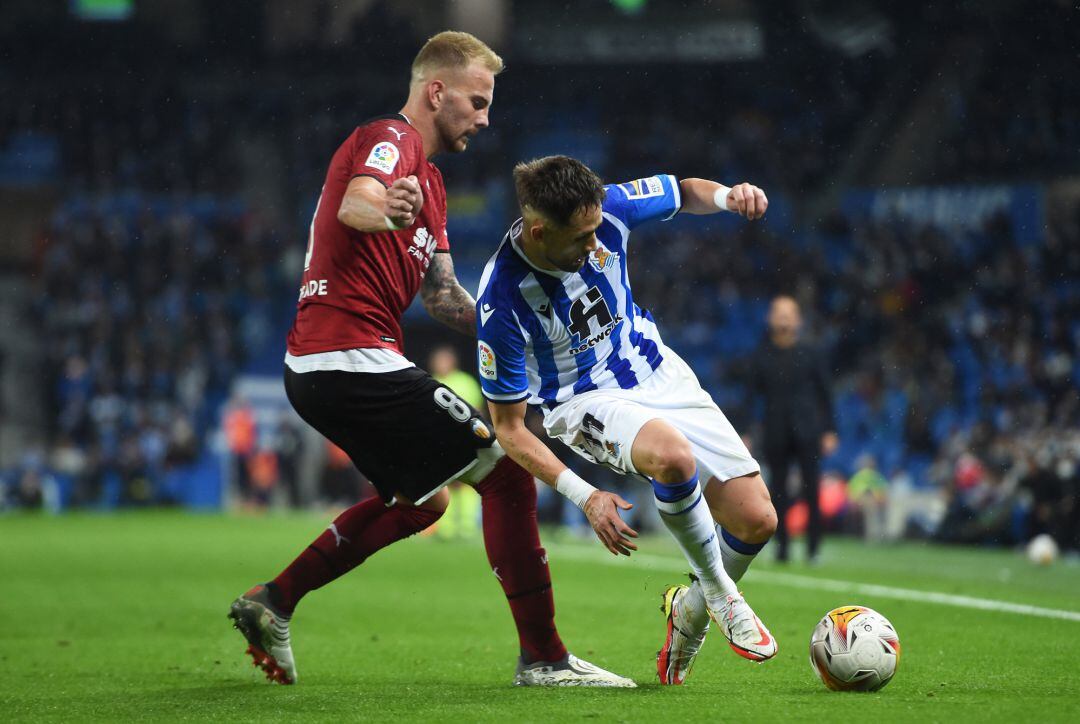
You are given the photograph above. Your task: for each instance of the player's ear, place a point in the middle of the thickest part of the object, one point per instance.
(536, 230)
(436, 92)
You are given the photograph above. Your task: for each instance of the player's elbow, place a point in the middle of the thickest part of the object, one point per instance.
(356, 214)
(504, 429)
(344, 215)
(507, 430)
(429, 296)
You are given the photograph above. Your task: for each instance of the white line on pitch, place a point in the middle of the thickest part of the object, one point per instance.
(644, 560)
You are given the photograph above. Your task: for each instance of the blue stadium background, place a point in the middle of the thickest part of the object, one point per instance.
(157, 178)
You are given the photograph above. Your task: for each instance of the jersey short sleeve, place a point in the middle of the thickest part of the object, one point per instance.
(500, 344)
(644, 199)
(386, 151)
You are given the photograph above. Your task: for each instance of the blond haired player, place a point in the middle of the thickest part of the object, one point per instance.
(378, 238)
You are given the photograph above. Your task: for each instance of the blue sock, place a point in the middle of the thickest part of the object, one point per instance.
(672, 493)
(737, 554)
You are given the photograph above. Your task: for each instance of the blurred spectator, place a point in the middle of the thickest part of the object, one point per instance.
(868, 492)
(462, 516)
(912, 510)
(289, 446)
(240, 438)
(793, 381)
(444, 366)
(29, 493)
(341, 485)
(263, 475)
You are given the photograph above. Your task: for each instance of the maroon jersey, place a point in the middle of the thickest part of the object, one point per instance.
(357, 284)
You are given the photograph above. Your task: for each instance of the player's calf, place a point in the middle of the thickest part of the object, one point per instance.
(519, 562)
(356, 534)
(745, 517)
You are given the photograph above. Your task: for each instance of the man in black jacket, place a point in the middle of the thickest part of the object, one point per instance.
(792, 378)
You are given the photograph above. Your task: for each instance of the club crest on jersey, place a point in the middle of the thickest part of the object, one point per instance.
(480, 429)
(643, 188)
(384, 157)
(488, 367)
(601, 259)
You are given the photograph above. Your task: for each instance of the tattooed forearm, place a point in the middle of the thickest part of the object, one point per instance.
(445, 299)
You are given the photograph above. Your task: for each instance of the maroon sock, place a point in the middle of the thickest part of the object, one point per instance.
(346, 543)
(508, 497)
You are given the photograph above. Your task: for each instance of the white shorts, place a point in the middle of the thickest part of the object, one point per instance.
(601, 425)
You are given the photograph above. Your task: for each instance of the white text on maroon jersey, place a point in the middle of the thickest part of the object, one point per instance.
(423, 244)
(315, 287)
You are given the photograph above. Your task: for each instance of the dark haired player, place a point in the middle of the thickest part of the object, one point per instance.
(559, 329)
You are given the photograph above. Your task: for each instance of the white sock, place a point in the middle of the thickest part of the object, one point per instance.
(736, 562)
(693, 528)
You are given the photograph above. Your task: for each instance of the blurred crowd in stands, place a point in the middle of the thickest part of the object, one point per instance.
(955, 355)
(1039, 133)
(148, 312)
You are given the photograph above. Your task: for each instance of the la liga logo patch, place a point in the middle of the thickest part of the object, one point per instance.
(488, 367)
(384, 157)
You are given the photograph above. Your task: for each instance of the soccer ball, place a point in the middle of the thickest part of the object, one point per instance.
(1042, 550)
(854, 648)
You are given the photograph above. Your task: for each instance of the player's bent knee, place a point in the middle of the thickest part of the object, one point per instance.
(759, 524)
(760, 514)
(663, 453)
(507, 479)
(765, 525)
(486, 461)
(675, 464)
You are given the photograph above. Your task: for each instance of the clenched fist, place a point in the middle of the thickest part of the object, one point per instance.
(747, 200)
(404, 199)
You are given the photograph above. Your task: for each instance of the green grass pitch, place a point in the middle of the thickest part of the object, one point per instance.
(123, 617)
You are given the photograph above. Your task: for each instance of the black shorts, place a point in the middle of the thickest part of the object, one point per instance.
(404, 431)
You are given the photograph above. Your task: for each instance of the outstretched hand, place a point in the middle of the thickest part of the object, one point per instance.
(747, 200)
(404, 199)
(602, 510)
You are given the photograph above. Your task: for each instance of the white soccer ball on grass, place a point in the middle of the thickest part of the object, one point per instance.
(854, 648)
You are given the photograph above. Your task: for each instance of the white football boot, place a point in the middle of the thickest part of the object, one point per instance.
(267, 634)
(571, 671)
(745, 633)
(685, 634)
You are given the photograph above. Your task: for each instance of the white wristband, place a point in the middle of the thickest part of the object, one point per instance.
(720, 197)
(391, 225)
(574, 487)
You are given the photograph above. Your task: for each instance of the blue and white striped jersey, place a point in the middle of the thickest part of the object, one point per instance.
(546, 336)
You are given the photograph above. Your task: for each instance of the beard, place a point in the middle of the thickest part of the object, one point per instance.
(452, 141)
